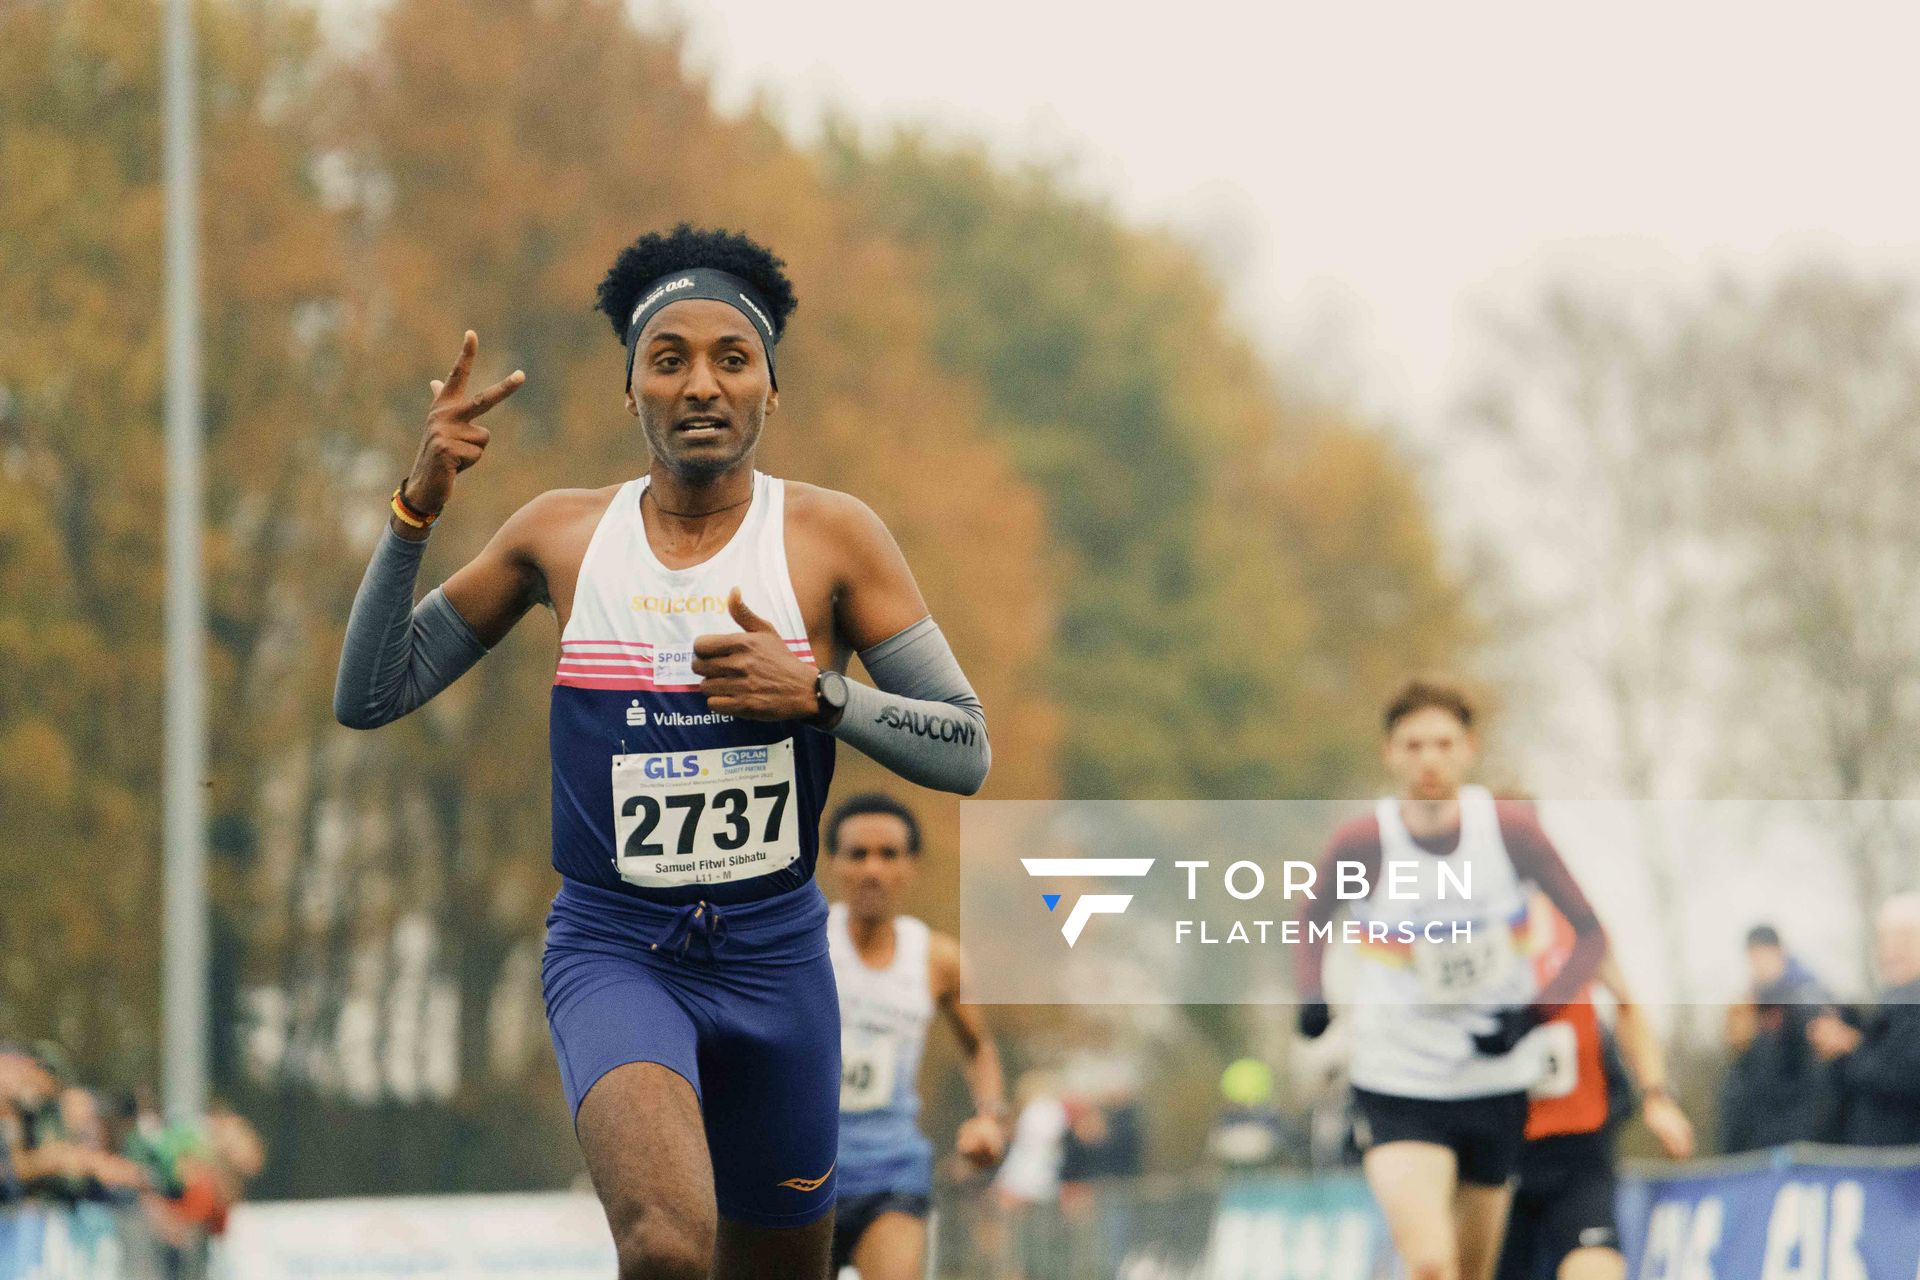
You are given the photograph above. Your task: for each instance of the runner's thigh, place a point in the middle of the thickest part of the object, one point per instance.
(646, 1150)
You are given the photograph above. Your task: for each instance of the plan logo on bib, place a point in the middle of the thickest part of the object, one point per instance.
(1087, 905)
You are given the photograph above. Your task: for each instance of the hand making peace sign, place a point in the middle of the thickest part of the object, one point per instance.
(454, 440)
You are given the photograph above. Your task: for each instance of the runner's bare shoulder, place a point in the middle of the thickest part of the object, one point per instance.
(551, 532)
(559, 517)
(827, 515)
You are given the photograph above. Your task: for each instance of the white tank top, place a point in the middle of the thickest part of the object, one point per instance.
(1418, 1002)
(653, 793)
(884, 1015)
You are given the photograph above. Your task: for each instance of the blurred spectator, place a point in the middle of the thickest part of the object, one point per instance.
(1776, 1089)
(57, 1145)
(1779, 978)
(1249, 1132)
(106, 1173)
(1016, 1235)
(80, 1117)
(42, 1161)
(1878, 1062)
(16, 1080)
(1103, 1139)
(1031, 1172)
(207, 1171)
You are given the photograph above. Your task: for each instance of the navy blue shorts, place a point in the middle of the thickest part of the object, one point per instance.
(857, 1214)
(739, 1000)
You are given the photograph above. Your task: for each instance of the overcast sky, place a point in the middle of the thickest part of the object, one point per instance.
(1387, 164)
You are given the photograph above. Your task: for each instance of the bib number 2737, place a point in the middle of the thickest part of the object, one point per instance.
(704, 817)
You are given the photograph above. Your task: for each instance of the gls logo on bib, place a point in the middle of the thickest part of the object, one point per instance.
(687, 766)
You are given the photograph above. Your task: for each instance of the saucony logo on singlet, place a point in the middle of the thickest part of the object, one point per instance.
(678, 604)
(809, 1184)
(936, 727)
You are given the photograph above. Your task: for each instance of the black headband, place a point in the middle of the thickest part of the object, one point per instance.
(713, 285)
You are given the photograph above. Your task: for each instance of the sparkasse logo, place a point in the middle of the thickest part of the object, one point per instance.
(1091, 904)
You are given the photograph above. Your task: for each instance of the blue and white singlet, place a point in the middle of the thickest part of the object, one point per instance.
(654, 795)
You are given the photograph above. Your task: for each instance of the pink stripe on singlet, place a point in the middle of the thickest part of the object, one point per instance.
(628, 664)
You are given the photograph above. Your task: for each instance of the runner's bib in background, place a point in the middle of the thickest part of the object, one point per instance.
(1559, 1050)
(704, 817)
(1467, 969)
(866, 1071)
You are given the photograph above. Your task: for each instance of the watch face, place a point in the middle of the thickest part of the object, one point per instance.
(833, 689)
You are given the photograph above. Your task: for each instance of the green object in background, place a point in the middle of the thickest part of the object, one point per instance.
(159, 1153)
(1247, 1082)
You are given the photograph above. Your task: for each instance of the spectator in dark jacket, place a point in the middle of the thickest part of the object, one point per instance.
(1776, 1090)
(1877, 1064)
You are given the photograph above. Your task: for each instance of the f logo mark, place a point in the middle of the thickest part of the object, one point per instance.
(1091, 904)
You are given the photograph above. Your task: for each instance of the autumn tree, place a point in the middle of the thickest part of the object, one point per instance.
(1248, 576)
(81, 469)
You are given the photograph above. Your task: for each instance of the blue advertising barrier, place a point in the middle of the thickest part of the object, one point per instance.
(1794, 1213)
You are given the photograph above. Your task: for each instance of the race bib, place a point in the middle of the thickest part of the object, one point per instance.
(866, 1073)
(704, 817)
(1559, 1051)
(1465, 970)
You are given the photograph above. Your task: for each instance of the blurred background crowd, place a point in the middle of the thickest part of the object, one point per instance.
(1806, 1068)
(63, 1142)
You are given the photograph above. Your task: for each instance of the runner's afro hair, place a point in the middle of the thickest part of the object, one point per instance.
(654, 255)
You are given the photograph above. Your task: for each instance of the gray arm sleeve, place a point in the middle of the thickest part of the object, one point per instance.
(923, 721)
(397, 655)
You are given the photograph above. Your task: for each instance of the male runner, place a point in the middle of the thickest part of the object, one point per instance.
(706, 612)
(893, 971)
(1440, 1088)
(1563, 1224)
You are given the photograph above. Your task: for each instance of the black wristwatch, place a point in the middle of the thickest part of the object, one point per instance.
(830, 689)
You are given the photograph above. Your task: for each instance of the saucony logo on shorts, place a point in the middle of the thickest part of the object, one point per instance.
(1592, 1236)
(809, 1184)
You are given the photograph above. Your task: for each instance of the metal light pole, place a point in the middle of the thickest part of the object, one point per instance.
(184, 990)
